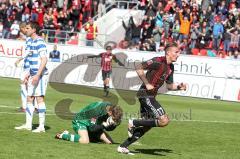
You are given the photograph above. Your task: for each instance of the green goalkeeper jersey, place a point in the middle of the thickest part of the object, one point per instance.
(96, 113)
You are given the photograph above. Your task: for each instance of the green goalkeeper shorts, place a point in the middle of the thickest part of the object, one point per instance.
(80, 125)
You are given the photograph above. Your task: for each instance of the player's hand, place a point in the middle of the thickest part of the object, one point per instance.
(108, 122)
(182, 86)
(149, 87)
(17, 62)
(35, 80)
(25, 80)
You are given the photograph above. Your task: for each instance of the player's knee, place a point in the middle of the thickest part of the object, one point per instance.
(163, 121)
(40, 99)
(84, 141)
(30, 99)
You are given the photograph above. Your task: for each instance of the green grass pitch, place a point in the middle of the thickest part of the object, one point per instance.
(200, 129)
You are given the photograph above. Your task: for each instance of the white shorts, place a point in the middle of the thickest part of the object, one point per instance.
(37, 90)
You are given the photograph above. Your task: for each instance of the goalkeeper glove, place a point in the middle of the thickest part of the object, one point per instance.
(108, 122)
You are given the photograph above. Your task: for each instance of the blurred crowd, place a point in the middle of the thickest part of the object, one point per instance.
(67, 15)
(201, 27)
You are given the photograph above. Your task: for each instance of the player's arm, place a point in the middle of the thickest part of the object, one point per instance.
(42, 66)
(174, 86)
(109, 125)
(18, 61)
(43, 57)
(118, 61)
(140, 67)
(93, 56)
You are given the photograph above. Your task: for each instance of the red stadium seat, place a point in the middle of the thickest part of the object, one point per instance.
(195, 51)
(203, 52)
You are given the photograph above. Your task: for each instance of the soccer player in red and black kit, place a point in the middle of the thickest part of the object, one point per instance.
(159, 70)
(106, 64)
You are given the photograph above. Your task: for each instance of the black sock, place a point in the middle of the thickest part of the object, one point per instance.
(138, 132)
(146, 123)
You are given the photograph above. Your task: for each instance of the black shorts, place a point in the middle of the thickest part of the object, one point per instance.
(150, 108)
(106, 74)
(95, 136)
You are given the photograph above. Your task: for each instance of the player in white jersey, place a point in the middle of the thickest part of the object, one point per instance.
(25, 69)
(36, 77)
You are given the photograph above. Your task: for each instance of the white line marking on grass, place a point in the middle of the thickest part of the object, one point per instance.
(13, 107)
(9, 113)
(203, 121)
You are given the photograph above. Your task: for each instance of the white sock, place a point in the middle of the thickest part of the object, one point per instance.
(29, 114)
(24, 96)
(41, 113)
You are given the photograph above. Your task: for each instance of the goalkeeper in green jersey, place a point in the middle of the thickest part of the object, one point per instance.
(92, 122)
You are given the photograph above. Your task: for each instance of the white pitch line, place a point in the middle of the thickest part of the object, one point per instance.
(205, 121)
(202, 121)
(9, 113)
(13, 107)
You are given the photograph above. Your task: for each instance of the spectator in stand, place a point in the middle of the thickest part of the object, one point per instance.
(226, 39)
(86, 9)
(185, 24)
(159, 19)
(222, 8)
(1, 29)
(62, 19)
(3, 12)
(184, 46)
(157, 34)
(233, 9)
(54, 55)
(34, 15)
(150, 12)
(146, 31)
(101, 8)
(175, 30)
(69, 28)
(14, 30)
(49, 24)
(6, 28)
(74, 16)
(94, 8)
(235, 39)
(194, 35)
(205, 4)
(234, 54)
(128, 28)
(136, 32)
(230, 21)
(26, 12)
(166, 25)
(40, 13)
(91, 30)
(203, 39)
(218, 30)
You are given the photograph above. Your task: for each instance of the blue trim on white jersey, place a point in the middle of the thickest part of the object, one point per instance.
(38, 50)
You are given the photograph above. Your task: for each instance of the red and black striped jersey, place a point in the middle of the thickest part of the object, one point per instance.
(158, 72)
(106, 61)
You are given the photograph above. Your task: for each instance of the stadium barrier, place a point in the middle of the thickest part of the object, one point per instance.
(211, 78)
